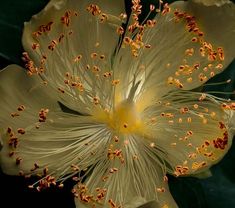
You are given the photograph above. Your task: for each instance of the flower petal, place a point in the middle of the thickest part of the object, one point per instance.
(191, 131)
(1, 143)
(22, 95)
(212, 2)
(121, 179)
(61, 147)
(195, 62)
(189, 44)
(35, 138)
(232, 123)
(22, 98)
(72, 44)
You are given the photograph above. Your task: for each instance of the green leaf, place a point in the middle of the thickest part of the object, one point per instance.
(12, 16)
(187, 192)
(220, 188)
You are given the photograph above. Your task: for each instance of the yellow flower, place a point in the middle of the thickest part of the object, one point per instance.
(109, 101)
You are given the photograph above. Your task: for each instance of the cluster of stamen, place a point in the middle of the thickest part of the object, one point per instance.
(73, 81)
(83, 194)
(214, 55)
(136, 30)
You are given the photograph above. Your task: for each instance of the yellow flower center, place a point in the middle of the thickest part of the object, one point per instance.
(123, 119)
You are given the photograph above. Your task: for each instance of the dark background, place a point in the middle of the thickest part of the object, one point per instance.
(217, 191)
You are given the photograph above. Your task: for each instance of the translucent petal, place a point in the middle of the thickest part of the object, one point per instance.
(212, 2)
(1, 143)
(232, 123)
(190, 130)
(122, 179)
(36, 133)
(22, 97)
(55, 147)
(73, 44)
(188, 45)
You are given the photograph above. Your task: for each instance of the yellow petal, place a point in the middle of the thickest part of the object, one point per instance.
(130, 177)
(71, 45)
(191, 131)
(189, 45)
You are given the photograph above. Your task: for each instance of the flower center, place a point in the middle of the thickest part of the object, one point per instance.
(124, 118)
